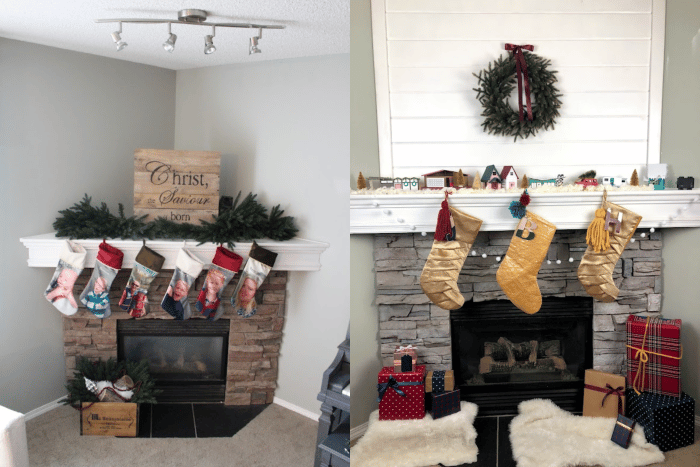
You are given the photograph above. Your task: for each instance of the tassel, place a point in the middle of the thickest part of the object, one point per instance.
(444, 227)
(597, 235)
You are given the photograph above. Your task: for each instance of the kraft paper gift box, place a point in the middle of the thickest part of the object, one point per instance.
(668, 421)
(440, 381)
(402, 350)
(444, 403)
(622, 433)
(603, 394)
(657, 340)
(401, 395)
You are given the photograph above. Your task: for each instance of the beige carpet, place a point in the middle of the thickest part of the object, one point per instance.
(277, 437)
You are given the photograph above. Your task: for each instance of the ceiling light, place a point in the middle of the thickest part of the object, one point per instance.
(209, 42)
(253, 48)
(117, 38)
(190, 17)
(169, 45)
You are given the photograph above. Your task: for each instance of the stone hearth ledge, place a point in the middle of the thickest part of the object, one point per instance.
(296, 254)
(376, 211)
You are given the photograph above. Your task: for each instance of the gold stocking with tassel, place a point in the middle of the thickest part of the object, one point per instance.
(605, 245)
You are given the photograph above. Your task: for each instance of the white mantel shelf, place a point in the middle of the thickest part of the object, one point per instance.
(407, 213)
(296, 254)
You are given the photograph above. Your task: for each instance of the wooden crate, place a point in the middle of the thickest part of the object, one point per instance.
(109, 419)
(182, 186)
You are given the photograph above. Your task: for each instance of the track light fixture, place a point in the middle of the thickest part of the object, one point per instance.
(253, 48)
(117, 38)
(209, 42)
(169, 44)
(190, 17)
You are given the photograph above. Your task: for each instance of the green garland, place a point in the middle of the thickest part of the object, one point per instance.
(248, 220)
(498, 81)
(109, 370)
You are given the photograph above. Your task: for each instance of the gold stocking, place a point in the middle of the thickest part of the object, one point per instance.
(517, 274)
(596, 268)
(439, 277)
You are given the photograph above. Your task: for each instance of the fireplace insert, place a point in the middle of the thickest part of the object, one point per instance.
(502, 356)
(187, 359)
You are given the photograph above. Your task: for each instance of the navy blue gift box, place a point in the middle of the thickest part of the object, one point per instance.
(668, 421)
(445, 403)
(622, 434)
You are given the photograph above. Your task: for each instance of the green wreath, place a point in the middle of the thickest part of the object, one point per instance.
(495, 86)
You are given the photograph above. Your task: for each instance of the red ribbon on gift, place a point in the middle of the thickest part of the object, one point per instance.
(609, 390)
(521, 71)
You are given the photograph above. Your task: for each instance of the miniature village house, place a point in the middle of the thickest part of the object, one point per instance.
(439, 179)
(509, 179)
(406, 183)
(491, 178)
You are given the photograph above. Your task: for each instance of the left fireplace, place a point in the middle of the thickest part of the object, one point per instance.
(187, 359)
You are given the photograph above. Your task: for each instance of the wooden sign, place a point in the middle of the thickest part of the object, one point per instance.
(109, 419)
(182, 186)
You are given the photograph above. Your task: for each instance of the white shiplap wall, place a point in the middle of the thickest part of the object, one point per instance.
(609, 58)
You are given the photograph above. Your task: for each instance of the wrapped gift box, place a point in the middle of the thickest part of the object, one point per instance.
(622, 433)
(659, 339)
(440, 381)
(669, 422)
(444, 403)
(603, 394)
(401, 395)
(402, 350)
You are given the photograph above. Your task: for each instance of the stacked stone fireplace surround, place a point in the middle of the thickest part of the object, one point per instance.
(406, 315)
(254, 342)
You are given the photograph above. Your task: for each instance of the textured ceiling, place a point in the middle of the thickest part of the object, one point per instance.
(313, 27)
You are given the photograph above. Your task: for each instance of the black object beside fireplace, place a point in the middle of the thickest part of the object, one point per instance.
(502, 356)
(187, 359)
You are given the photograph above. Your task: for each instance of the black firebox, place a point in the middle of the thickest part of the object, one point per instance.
(502, 356)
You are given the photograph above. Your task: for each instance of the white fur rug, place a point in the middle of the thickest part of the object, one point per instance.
(449, 440)
(543, 435)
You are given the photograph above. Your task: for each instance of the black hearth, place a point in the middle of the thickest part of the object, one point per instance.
(187, 359)
(503, 356)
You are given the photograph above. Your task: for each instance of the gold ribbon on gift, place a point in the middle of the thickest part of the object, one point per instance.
(643, 357)
(628, 428)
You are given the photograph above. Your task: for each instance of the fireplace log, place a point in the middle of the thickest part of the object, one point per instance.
(505, 350)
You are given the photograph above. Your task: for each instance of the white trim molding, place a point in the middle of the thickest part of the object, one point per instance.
(412, 213)
(293, 255)
(357, 432)
(295, 408)
(44, 408)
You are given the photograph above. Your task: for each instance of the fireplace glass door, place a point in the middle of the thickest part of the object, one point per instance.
(187, 359)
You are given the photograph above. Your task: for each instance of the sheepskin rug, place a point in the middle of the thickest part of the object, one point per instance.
(450, 440)
(543, 435)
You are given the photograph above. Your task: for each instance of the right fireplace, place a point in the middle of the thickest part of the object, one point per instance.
(502, 356)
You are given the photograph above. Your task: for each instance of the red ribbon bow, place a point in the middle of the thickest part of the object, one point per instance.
(521, 70)
(618, 391)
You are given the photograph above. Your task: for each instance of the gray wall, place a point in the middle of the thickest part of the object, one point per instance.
(283, 130)
(364, 157)
(69, 124)
(680, 144)
(680, 148)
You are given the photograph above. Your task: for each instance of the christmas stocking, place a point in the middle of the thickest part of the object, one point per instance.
(605, 245)
(95, 296)
(135, 296)
(517, 274)
(60, 290)
(454, 236)
(187, 268)
(224, 266)
(258, 266)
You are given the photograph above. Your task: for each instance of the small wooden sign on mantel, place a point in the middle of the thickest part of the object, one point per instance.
(182, 186)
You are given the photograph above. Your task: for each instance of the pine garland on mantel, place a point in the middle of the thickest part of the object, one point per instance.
(248, 220)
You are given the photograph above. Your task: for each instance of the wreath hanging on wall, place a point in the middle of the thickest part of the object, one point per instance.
(498, 80)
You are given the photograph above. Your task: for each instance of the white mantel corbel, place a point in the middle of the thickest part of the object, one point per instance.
(296, 254)
(409, 213)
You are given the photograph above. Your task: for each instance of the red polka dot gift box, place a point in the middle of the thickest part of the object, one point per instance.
(401, 395)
